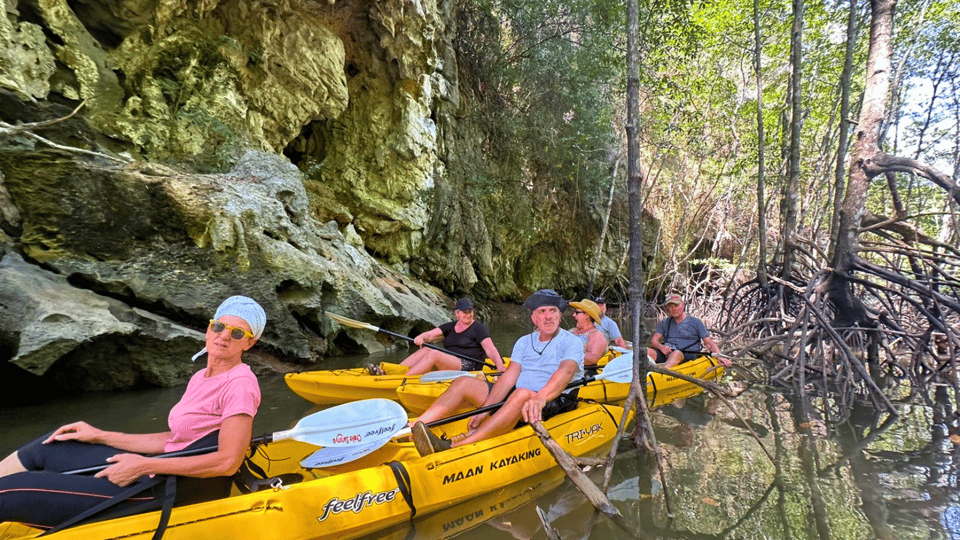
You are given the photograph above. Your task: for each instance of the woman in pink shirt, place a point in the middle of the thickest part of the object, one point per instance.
(216, 410)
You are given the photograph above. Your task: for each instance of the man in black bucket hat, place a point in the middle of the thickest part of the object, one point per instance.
(541, 366)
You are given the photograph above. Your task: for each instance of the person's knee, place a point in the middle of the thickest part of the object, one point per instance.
(11, 465)
(521, 396)
(463, 383)
(674, 359)
(468, 388)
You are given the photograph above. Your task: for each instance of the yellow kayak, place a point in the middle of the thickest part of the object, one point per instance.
(459, 518)
(336, 386)
(416, 397)
(376, 492)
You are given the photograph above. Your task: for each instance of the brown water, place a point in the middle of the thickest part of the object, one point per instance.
(869, 476)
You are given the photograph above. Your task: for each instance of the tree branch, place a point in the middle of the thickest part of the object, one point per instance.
(884, 163)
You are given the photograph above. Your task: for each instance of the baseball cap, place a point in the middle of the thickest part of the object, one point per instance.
(673, 299)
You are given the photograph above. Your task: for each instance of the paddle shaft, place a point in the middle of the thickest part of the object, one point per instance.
(701, 351)
(347, 321)
(434, 347)
(495, 406)
(256, 441)
(327, 457)
(444, 376)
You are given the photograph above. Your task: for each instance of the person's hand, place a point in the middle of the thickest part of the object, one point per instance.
(665, 350)
(77, 431)
(418, 341)
(125, 470)
(532, 410)
(723, 360)
(476, 420)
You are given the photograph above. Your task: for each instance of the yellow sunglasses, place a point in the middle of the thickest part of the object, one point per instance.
(235, 332)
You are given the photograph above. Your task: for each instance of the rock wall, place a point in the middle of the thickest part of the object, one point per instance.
(128, 263)
(374, 218)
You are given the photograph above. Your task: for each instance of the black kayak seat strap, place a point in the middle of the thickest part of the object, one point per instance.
(403, 484)
(170, 493)
(169, 496)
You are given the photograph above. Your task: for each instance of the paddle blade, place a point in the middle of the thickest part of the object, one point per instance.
(445, 375)
(345, 321)
(350, 424)
(331, 456)
(618, 370)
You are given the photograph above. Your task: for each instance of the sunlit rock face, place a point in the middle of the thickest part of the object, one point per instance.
(198, 76)
(200, 83)
(315, 155)
(354, 93)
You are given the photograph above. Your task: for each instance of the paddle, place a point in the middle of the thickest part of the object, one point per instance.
(623, 351)
(344, 426)
(365, 326)
(449, 375)
(653, 361)
(618, 370)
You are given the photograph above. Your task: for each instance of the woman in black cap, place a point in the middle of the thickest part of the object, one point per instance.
(533, 388)
(466, 336)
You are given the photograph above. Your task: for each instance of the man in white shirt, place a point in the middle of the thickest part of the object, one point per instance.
(541, 366)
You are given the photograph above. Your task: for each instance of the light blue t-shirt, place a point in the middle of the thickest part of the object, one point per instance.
(609, 328)
(539, 360)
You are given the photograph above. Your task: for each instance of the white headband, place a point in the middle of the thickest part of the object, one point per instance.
(244, 308)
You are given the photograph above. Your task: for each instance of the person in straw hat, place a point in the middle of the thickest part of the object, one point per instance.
(587, 314)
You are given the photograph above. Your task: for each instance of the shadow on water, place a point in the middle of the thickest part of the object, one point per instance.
(854, 473)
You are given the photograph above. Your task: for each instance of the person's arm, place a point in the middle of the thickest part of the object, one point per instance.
(492, 352)
(532, 410)
(595, 348)
(429, 335)
(713, 348)
(235, 432)
(655, 343)
(619, 342)
(141, 443)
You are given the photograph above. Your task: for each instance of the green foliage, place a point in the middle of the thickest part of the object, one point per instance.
(931, 80)
(545, 77)
(549, 79)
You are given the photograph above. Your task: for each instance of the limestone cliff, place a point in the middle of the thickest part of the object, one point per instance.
(374, 219)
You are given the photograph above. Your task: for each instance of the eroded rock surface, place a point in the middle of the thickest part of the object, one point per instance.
(171, 246)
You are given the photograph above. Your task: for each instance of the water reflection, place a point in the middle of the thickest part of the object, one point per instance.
(872, 476)
(841, 469)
